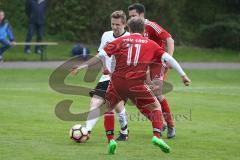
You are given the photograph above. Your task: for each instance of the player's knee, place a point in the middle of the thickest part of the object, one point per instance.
(161, 98)
(120, 107)
(96, 102)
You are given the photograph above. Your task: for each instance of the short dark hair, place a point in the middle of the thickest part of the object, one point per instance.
(136, 25)
(138, 7)
(119, 14)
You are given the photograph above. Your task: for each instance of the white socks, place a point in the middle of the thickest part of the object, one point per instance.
(122, 118)
(92, 118)
(94, 114)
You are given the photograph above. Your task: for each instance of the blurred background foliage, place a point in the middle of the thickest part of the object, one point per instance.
(204, 23)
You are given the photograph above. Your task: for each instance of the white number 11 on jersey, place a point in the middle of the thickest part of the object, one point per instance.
(129, 57)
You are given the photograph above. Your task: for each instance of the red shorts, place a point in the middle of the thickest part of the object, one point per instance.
(157, 70)
(123, 89)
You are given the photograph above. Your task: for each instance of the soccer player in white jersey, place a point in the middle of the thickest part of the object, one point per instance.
(118, 24)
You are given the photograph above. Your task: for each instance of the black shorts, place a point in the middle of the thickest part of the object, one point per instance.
(100, 89)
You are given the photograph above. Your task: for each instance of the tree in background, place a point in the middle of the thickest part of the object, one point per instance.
(202, 23)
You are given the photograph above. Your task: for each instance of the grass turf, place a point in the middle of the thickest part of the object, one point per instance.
(206, 115)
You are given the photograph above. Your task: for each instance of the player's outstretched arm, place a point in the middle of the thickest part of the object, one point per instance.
(174, 64)
(76, 68)
(93, 61)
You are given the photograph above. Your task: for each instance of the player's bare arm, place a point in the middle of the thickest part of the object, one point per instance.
(93, 61)
(170, 45)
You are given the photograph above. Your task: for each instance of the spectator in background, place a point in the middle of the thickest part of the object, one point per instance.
(35, 10)
(81, 51)
(6, 34)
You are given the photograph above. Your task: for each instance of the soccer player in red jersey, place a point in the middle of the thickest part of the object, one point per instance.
(134, 54)
(158, 71)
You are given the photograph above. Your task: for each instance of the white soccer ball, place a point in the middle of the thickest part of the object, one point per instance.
(79, 133)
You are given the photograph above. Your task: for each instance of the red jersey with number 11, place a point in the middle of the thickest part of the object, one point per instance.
(133, 54)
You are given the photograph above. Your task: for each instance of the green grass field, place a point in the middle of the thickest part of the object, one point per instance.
(206, 114)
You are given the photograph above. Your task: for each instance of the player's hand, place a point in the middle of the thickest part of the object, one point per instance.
(186, 80)
(74, 70)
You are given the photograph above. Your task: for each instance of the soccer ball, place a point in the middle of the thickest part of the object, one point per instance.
(79, 133)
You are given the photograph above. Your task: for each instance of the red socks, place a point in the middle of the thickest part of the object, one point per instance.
(167, 113)
(157, 123)
(156, 118)
(109, 125)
